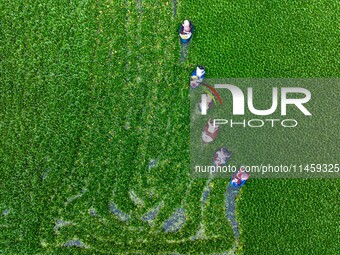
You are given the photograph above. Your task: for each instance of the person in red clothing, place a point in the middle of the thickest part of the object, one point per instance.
(210, 132)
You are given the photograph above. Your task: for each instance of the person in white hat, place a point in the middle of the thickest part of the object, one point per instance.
(185, 31)
(187, 26)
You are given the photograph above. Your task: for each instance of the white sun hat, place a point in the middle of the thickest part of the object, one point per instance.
(200, 72)
(186, 25)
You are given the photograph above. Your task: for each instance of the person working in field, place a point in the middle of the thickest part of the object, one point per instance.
(210, 132)
(197, 77)
(221, 156)
(185, 31)
(239, 178)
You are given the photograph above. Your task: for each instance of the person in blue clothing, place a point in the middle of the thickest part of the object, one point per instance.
(240, 178)
(197, 76)
(185, 31)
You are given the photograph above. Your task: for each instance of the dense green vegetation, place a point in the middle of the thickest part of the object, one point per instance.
(265, 38)
(86, 103)
(290, 216)
(91, 92)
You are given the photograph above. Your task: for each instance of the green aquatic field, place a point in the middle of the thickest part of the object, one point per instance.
(94, 127)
